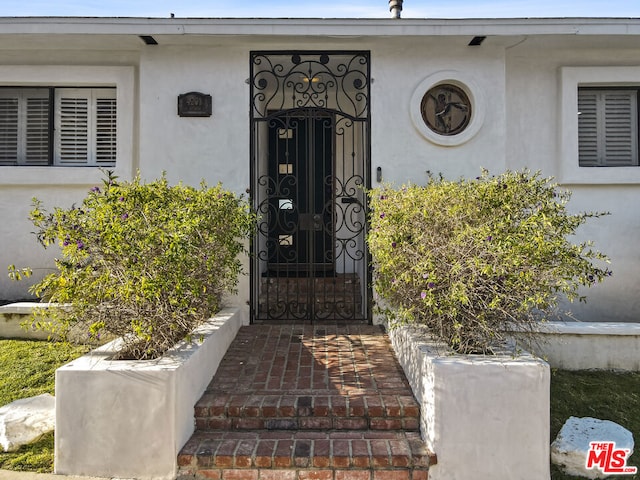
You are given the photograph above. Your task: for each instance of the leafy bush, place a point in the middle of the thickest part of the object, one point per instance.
(468, 258)
(147, 262)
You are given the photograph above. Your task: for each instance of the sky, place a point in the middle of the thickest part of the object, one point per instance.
(321, 8)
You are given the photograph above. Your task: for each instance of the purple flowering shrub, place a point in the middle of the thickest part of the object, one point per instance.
(146, 262)
(471, 258)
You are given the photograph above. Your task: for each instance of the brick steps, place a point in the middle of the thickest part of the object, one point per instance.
(329, 297)
(307, 402)
(298, 455)
(306, 412)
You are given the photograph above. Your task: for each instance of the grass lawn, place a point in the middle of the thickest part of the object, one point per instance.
(27, 369)
(602, 395)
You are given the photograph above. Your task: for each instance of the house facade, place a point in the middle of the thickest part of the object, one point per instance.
(305, 114)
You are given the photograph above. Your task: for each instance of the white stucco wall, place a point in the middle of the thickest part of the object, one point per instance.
(213, 148)
(57, 186)
(537, 135)
(518, 79)
(397, 146)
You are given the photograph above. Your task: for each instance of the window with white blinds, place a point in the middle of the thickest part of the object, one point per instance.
(76, 128)
(85, 131)
(24, 126)
(607, 127)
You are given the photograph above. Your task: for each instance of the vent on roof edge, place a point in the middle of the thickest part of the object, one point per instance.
(476, 41)
(148, 39)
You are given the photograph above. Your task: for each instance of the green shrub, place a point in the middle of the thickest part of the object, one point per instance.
(468, 258)
(147, 262)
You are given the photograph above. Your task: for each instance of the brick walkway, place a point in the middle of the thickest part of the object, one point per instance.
(297, 402)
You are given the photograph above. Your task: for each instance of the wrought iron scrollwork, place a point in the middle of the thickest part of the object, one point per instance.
(310, 80)
(310, 167)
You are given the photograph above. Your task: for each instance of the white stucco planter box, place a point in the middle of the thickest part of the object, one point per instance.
(12, 317)
(589, 345)
(129, 419)
(484, 416)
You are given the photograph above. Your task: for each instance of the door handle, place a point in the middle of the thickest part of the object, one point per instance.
(310, 221)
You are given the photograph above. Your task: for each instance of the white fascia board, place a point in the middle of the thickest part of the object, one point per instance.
(320, 27)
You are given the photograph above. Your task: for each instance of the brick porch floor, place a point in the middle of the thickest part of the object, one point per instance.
(298, 402)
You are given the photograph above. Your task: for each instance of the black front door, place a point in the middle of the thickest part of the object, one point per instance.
(301, 193)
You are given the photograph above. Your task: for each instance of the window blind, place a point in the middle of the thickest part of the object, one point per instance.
(607, 128)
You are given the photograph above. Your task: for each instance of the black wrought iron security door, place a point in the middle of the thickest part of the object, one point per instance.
(309, 168)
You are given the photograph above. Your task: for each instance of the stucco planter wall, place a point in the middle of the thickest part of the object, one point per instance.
(483, 416)
(129, 419)
(13, 315)
(589, 345)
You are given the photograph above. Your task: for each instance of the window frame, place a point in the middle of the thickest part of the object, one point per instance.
(22, 96)
(469, 86)
(88, 158)
(55, 137)
(121, 78)
(602, 134)
(571, 79)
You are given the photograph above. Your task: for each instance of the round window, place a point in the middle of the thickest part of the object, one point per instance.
(446, 109)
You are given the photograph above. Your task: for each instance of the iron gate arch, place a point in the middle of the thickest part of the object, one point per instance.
(310, 168)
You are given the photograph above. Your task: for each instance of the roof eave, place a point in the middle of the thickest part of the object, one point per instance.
(319, 27)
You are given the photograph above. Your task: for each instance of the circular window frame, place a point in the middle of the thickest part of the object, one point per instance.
(464, 83)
